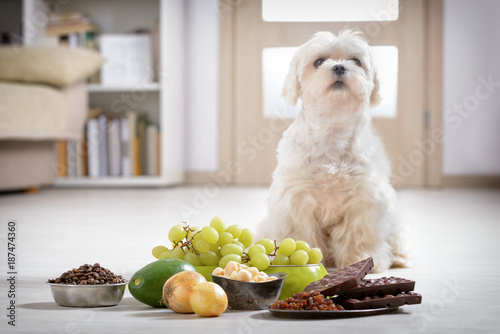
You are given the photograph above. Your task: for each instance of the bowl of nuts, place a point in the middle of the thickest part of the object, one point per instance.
(247, 288)
(88, 286)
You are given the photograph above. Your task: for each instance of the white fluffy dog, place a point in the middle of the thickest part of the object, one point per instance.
(331, 186)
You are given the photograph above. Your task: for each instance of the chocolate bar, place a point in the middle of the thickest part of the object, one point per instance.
(380, 287)
(380, 302)
(343, 279)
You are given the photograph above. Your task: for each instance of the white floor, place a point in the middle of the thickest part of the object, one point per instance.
(455, 235)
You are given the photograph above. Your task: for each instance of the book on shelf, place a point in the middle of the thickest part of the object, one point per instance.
(133, 142)
(158, 154)
(84, 171)
(102, 121)
(93, 147)
(62, 152)
(112, 147)
(71, 158)
(141, 136)
(152, 149)
(125, 147)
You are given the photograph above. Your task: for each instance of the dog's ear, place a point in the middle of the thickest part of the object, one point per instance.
(375, 97)
(291, 87)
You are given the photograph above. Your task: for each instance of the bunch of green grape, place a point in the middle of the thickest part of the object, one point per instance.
(297, 253)
(216, 245)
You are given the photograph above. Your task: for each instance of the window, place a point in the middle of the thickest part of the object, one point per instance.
(329, 10)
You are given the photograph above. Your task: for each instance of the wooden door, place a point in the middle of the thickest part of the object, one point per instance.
(249, 140)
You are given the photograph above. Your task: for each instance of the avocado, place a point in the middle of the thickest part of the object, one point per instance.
(146, 285)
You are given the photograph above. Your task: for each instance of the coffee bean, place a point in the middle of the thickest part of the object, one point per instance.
(88, 274)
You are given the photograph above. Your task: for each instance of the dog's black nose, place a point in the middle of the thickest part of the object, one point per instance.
(339, 69)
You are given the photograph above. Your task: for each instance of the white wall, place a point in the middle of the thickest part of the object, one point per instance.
(471, 105)
(202, 85)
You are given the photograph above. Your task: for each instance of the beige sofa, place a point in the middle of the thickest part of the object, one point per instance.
(42, 101)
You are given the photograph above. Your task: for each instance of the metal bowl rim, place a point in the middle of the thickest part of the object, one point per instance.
(282, 277)
(294, 265)
(86, 285)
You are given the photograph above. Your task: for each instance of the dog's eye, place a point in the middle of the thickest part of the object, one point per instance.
(357, 61)
(318, 62)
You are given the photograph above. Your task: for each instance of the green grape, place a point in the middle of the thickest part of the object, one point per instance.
(158, 250)
(196, 237)
(299, 258)
(225, 238)
(235, 230)
(214, 247)
(246, 237)
(192, 258)
(218, 224)
(202, 246)
(302, 245)
(231, 257)
(260, 260)
(236, 242)
(219, 255)
(192, 231)
(177, 253)
(268, 244)
(287, 247)
(231, 249)
(176, 233)
(281, 260)
(165, 255)
(210, 234)
(255, 249)
(315, 256)
(209, 258)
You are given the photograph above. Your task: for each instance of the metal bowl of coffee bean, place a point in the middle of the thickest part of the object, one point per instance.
(88, 286)
(250, 295)
(88, 295)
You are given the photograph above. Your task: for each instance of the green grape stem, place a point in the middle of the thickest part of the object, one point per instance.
(188, 243)
(245, 258)
(275, 249)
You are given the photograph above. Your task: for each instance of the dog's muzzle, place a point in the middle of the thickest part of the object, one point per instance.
(339, 70)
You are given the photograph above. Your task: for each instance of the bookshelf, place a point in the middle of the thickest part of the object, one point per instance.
(162, 100)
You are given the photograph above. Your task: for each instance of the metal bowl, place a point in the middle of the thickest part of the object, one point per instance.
(87, 295)
(251, 295)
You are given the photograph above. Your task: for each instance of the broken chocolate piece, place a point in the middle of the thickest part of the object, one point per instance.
(343, 279)
(380, 286)
(380, 302)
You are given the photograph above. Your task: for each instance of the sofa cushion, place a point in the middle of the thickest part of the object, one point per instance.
(58, 66)
(41, 112)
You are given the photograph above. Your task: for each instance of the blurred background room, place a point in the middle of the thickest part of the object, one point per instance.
(186, 92)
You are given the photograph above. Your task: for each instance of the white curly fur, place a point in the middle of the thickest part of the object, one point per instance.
(331, 186)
